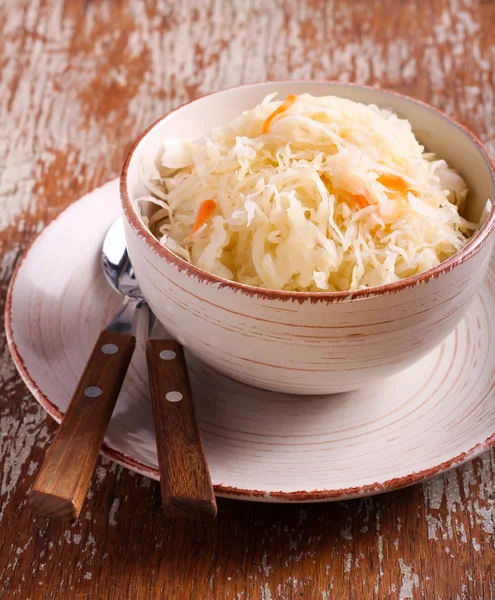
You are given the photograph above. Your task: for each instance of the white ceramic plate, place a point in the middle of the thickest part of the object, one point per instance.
(260, 445)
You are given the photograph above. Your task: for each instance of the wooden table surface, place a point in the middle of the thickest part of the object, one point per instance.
(79, 80)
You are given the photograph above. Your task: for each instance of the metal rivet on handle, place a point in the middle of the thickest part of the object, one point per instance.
(167, 354)
(93, 391)
(109, 349)
(174, 396)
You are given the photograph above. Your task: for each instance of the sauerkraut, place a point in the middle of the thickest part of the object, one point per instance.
(309, 194)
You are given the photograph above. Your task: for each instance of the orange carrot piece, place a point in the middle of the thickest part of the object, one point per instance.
(286, 104)
(393, 183)
(206, 209)
(361, 200)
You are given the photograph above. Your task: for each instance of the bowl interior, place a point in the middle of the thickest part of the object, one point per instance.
(433, 130)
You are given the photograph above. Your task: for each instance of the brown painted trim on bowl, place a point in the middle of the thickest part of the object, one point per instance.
(221, 490)
(472, 247)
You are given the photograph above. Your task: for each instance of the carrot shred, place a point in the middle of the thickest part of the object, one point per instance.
(206, 209)
(393, 183)
(361, 200)
(286, 104)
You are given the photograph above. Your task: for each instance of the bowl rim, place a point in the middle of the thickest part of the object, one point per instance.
(473, 246)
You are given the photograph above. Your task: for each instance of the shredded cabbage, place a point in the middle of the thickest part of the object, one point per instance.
(335, 196)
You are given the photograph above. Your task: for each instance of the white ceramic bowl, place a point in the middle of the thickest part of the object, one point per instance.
(310, 343)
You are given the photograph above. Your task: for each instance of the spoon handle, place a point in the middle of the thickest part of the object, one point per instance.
(63, 480)
(184, 476)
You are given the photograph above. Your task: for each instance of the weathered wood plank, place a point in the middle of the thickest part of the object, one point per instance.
(79, 80)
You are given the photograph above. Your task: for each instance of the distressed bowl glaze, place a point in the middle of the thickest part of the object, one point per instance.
(310, 343)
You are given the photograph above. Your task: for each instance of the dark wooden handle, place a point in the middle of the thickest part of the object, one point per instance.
(62, 483)
(184, 477)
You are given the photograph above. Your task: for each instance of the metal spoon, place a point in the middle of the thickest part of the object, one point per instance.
(62, 483)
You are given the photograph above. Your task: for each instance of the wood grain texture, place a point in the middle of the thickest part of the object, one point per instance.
(184, 476)
(79, 81)
(63, 480)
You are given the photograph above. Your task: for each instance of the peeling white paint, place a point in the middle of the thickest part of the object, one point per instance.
(265, 592)
(347, 563)
(264, 564)
(410, 581)
(16, 448)
(113, 511)
(46, 129)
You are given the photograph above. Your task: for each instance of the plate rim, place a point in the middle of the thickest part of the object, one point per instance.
(123, 459)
